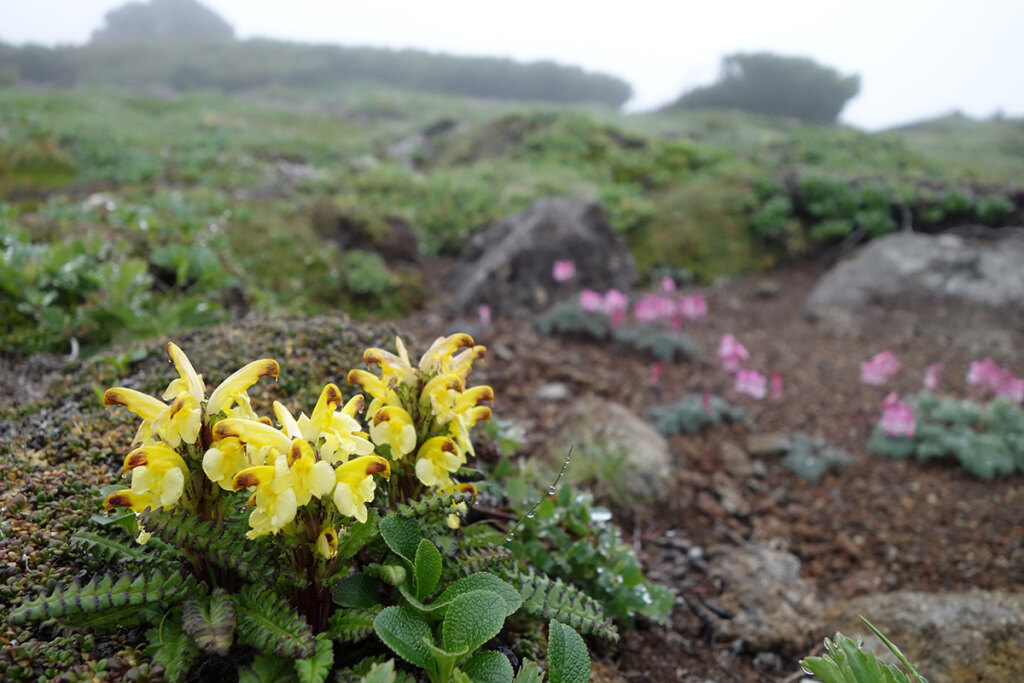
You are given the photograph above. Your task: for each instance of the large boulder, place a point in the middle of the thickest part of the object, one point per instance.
(971, 636)
(510, 264)
(946, 268)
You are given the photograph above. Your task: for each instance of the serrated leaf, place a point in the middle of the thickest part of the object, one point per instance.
(404, 632)
(359, 590)
(316, 668)
(380, 673)
(473, 618)
(483, 581)
(529, 672)
(488, 667)
(210, 623)
(268, 669)
(402, 535)
(171, 649)
(568, 659)
(355, 536)
(427, 568)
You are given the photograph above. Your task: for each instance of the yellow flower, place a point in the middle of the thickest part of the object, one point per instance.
(341, 433)
(462, 361)
(391, 425)
(188, 381)
(355, 485)
(395, 369)
(180, 422)
(274, 499)
(454, 518)
(222, 462)
(436, 460)
(327, 543)
(373, 385)
(230, 396)
(258, 434)
(438, 358)
(309, 476)
(441, 393)
(158, 479)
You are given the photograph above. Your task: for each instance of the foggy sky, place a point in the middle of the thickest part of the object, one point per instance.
(916, 58)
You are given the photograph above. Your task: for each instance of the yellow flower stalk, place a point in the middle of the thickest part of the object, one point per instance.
(230, 396)
(188, 381)
(438, 358)
(393, 426)
(395, 369)
(355, 485)
(340, 431)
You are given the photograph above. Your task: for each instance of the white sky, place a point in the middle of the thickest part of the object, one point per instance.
(916, 58)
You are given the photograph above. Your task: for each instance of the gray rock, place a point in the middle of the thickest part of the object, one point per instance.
(985, 272)
(552, 391)
(773, 608)
(735, 460)
(970, 636)
(509, 264)
(613, 450)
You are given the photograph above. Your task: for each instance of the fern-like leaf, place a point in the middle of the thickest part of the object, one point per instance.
(316, 668)
(118, 551)
(120, 597)
(551, 598)
(352, 625)
(172, 649)
(220, 545)
(440, 502)
(268, 669)
(211, 623)
(267, 622)
(472, 560)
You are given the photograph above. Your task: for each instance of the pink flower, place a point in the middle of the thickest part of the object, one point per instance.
(652, 308)
(776, 386)
(484, 313)
(668, 285)
(692, 307)
(615, 305)
(657, 370)
(563, 271)
(879, 369)
(591, 301)
(752, 383)
(731, 353)
(897, 417)
(933, 375)
(1011, 387)
(985, 374)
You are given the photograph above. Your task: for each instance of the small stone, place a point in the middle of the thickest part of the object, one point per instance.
(735, 460)
(707, 504)
(554, 392)
(772, 443)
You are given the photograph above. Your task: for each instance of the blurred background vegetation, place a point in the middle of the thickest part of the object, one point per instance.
(166, 175)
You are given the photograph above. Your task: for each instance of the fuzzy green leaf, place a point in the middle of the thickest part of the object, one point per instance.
(473, 618)
(427, 568)
(316, 668)
(210, 623)
(358, 590)
(354, 537)
(402, 535)
(406, 633)
(568, 659)
(172, 649)
(483, 581)
(488, 667)
(381, 673)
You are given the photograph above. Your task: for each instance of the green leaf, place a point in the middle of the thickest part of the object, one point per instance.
(473, 618)
(402, 535)
(355, 536)
(529, 672)
(380, 673)
(210, 623)
(483, 581)
(404, 632)
(895, 651)
(171, 649)
(316, 668)
(268, 669)
(488, 667)
(427, 568)
(568, 659)
(359, 590)
(270, 624)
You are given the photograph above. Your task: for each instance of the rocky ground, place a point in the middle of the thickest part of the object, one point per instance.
(764, 564)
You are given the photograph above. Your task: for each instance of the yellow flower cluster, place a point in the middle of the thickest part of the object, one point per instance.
(287, 466)
(425, 408)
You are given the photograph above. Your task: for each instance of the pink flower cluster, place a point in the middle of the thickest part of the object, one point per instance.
(995, 380)
(879, 369)
(932, 375)
(732, 354)
(649, 309)
(897, 417)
